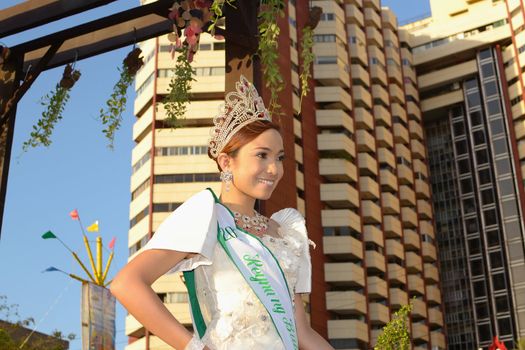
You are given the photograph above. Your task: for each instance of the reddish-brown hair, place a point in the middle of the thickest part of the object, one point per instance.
(245, 135)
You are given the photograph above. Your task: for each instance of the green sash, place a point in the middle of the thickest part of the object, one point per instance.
(260, 270)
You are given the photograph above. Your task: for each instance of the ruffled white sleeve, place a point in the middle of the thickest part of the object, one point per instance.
(292, 218)
(191, 228)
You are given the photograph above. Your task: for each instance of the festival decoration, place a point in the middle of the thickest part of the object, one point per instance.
(192, 17)
(98, 305)
(54, 102)
(111, 116)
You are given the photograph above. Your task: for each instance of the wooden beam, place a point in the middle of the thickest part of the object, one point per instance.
(29, 80)
(33, 13)
(101, 35)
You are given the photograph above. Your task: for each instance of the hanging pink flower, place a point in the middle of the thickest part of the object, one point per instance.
(174, 15)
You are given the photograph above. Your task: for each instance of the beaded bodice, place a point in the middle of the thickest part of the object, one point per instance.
(234, 316)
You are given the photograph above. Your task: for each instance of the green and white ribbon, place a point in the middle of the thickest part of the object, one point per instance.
(261, 271)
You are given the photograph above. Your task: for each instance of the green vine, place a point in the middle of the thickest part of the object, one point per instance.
(216, 10)
(111, 116)
(307, 57)
(55, 102)
(395, 335)
(307, 43)
(269, 49)
(179, 88)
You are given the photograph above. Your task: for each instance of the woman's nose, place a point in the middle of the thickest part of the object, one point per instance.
(272, 168)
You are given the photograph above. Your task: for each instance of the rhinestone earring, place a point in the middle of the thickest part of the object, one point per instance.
(227, 177)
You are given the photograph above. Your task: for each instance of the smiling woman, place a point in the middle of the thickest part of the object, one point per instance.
(245, 273)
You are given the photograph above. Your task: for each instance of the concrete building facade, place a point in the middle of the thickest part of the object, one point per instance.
(468, 58)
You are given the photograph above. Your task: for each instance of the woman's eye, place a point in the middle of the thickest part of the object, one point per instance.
(280, 158)
(261, 155)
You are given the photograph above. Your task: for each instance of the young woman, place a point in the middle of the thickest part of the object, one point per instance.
(245, 272)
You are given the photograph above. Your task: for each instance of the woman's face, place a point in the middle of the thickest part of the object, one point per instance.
(258, 165)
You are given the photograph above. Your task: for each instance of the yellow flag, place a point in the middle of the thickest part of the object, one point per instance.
(93, 227)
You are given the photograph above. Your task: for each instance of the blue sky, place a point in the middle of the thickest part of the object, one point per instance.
(76, 171)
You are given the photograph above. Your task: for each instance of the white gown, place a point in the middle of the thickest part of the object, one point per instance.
(234, 316)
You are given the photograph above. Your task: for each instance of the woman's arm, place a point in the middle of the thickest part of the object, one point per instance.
(132, 287)
(308, 338)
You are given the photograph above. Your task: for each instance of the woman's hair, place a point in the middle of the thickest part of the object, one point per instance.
(245, 135)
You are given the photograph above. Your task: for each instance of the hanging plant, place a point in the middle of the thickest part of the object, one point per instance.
(179, 88)
(111, 117)
(269, 31)
(190, 18)
(216, 9)
(307, 55)
(54, 102)
(4, 54)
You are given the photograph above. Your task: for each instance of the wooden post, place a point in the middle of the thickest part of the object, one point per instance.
(10, 76)
(241, 43)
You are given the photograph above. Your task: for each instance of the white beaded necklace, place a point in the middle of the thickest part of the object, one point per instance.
(257, 224)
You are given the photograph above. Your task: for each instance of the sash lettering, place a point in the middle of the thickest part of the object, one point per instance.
(262, 272)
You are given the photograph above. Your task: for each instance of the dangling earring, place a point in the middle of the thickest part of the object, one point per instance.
(227, 177)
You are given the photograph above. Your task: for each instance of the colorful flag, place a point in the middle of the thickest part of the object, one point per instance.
(111, 244)
(74, 214)
(93, 227)
(48, 234)
(51, 269)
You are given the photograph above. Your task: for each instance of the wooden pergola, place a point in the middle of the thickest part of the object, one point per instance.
(28, 59)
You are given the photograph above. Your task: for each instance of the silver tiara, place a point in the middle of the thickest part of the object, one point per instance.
(241, 107)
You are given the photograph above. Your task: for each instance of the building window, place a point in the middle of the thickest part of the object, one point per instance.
(498, 281)
(479, 289)
(493, 107)
(474, 246)
(487, 196)
(145, 84)
(484, 176)
(324, 38)
(219, 46)
(181, 151)
(482, 310)
(140, 162)
(476, 118)
(142, 187)
(492, 238)
(482, 157)
(165, 207)
(458, 128)
(326, 59)
(463, 166)
(504, 326)
(502, 304)
(210, 71)
(496, 260)
(479, 137)
(516, 100)
(327, 17)
(496, 126)
(490, 217)
(181, 178)
(141, 215)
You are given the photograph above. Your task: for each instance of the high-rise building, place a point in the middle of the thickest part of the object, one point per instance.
(469, 61)
(379, 238)
(356, 167)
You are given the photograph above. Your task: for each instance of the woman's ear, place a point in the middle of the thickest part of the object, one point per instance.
(224, 161)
